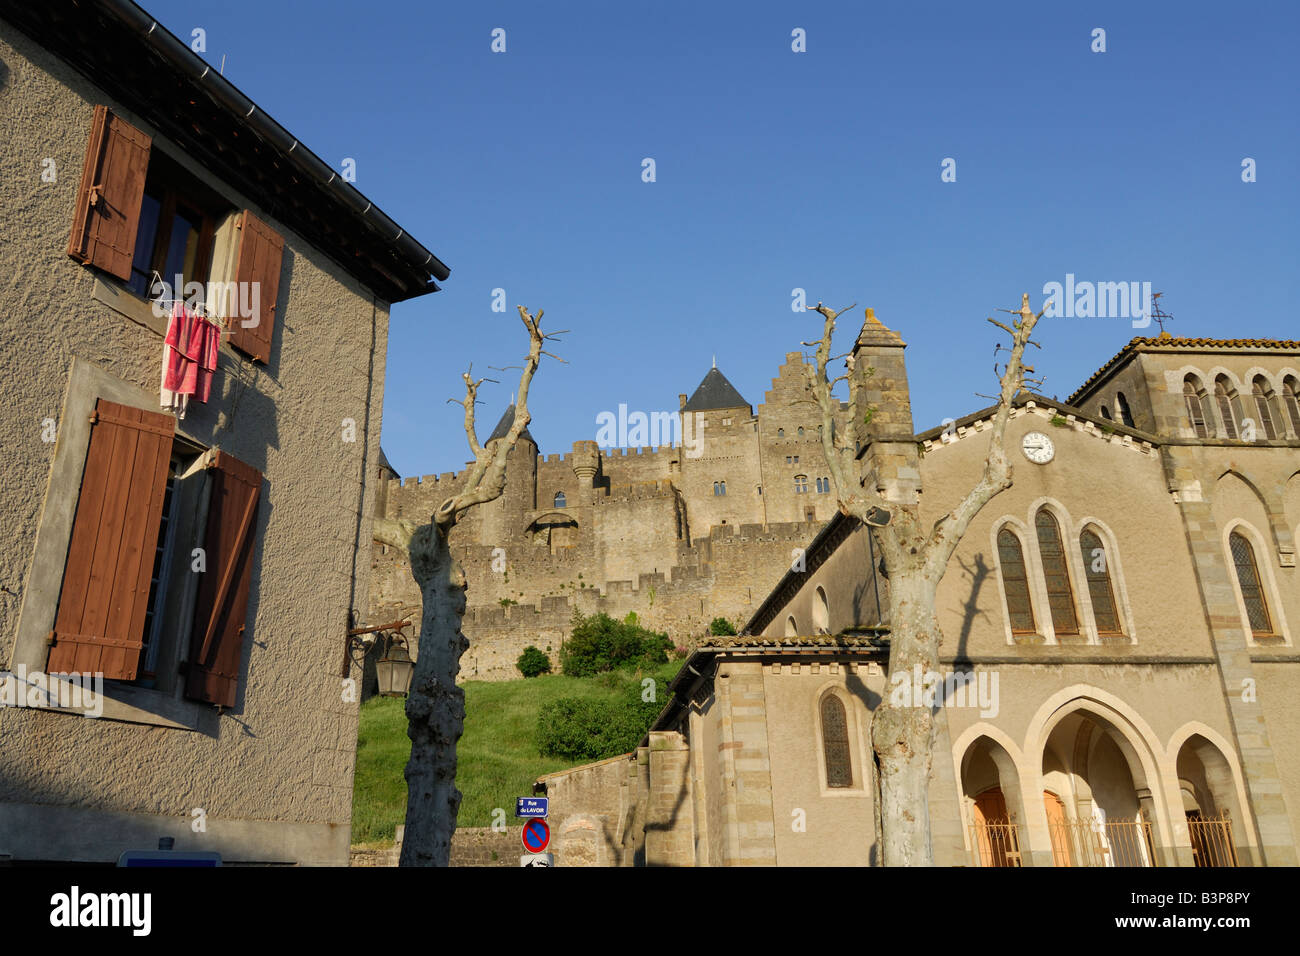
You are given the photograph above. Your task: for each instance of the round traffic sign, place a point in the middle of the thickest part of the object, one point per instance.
(536, 835)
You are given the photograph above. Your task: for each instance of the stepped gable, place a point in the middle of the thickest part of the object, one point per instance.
(503, 426)
(715, 392)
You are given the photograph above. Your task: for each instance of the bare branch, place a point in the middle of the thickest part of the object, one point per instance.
(948, 530)
(394, 532)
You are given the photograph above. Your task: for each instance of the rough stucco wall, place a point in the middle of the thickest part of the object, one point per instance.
(287, 751)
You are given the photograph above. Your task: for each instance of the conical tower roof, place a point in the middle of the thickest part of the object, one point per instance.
(715, 392)
(503, 426)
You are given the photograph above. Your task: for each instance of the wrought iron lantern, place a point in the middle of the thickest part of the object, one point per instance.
(394, 669)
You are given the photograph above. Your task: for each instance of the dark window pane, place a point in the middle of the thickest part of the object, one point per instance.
(1016, 582)
(835, 741)
(1060, 596)
(1252, 592)
(1100, 591)
(145, 236)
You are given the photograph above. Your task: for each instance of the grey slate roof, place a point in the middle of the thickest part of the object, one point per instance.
(503, 426)
(715, 392)
(384, 462)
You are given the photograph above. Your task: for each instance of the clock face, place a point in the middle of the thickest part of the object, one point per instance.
(1038, 448)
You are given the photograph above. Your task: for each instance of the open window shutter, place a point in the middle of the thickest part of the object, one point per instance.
(261, 250)
(222, 607)
(100, 621)
(112, 189)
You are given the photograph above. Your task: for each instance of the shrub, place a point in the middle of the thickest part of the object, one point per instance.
(599, 643)
(721, 627)
(533, 662)
(579, 728)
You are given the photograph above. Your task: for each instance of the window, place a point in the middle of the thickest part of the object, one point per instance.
(176, 230)
(821, 612)
(791, 628)
(835, 742)
(823, 485)
(726, 421)
(1225, 397)
(1060, 596)
(1100, 591)
(1015, 582)
(1291, 399)
(138, 211)
(720, 489)
(1105, 413)
(1263, 396)
(780, 433)
(1125, 413)
(122, 547)
(800, 484)
(560, 500)
(1194, 398)
(1252, 589)
(801, 431)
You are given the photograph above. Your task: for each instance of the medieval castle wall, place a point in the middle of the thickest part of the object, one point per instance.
(678, 535)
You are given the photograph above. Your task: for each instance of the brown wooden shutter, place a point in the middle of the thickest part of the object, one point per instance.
(261, 250)
(112, 189)
(100, 621)
(222, 607)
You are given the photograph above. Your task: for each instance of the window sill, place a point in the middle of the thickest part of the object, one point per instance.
(127, 303)
(1029, 638)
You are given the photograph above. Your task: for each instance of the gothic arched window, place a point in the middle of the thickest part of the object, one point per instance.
(1252, 587)
(791, 628)
(821, 612)
(1225, 398)
(1264, 405)
(1100, 592)
(719, 488)
(1291, 399)
(1056, 574)
(1125, 413)
(1105, 413)
(835, 742)
(1015, 582)
(1194, 399)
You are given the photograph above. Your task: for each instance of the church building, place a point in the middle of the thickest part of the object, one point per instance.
(1119, 656)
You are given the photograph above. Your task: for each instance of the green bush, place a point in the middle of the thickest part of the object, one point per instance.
(580, 728)
(721, 627)
(599, 643)
(533, 662)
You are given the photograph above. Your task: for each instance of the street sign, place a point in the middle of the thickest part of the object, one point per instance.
(537, 859)
(536, 835)
(531, 806)
(135, 858)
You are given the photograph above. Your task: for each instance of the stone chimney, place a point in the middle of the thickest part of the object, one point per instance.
(889, 459)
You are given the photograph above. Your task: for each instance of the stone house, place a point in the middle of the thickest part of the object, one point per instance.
(1119, 649)
(177, 591)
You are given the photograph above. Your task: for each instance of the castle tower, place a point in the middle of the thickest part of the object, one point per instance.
(586, 465)
(520, 493)
(890, 456)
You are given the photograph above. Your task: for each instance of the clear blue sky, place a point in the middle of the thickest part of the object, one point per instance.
(778, 170)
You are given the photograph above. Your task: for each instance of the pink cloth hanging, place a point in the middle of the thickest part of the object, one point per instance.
(189, 359)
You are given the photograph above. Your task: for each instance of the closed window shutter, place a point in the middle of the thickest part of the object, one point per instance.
(112, 188)
(261, 251)
(99, 626)
(221, 610)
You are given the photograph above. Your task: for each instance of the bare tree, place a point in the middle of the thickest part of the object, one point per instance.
(915, 558)
(435, 706)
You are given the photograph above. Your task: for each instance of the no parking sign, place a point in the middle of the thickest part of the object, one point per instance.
(536, 835)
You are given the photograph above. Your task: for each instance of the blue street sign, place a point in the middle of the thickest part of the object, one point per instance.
(532, 806)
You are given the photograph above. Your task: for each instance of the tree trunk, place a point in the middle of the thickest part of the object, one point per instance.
(435, 706)
(901, 730)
